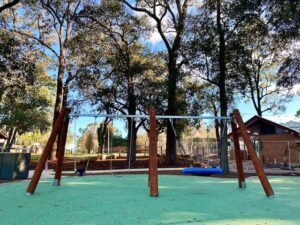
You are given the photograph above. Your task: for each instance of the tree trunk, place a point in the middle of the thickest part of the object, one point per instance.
(222, 87)
(8, 139)
(59, 97)
(132, 130)
(217, 128)
(11, 139)
(101, 136)
(172, 110)
(131, 137)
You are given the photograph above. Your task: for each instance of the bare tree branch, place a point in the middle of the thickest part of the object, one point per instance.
(9, 5)
(153, 16)
(38, 40)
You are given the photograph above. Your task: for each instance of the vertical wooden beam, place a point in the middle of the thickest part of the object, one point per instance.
(47, 151)
(61, 150)
(238, 155)
(257, 165)
(153, 177)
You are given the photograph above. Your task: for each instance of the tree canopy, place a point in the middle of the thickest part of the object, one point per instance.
(209, 56)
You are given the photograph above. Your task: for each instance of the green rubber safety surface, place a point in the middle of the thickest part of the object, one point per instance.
(121, 200)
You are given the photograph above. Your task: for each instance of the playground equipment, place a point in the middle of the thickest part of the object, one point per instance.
(61, 125)
(203, 171)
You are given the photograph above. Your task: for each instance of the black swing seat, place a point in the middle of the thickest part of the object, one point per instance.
(80, 171)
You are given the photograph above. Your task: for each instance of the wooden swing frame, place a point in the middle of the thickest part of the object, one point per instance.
(61, 127)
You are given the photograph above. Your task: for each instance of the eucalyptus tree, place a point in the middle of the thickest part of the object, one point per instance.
(49, 25)
(260, 63)
(206, 99)
(212, 47)
(285, 20)
(17, 64)
(169, 19)
(268, 55)
(114, 62)
(17, 72)
(28, 111)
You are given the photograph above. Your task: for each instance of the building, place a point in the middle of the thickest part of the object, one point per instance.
(274, 142)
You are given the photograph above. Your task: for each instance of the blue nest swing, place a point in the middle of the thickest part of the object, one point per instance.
(202, 171)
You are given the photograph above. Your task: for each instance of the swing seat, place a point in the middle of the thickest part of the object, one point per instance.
(201, 171)
(80, 172)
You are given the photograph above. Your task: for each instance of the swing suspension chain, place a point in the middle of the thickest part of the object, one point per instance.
(176, 136)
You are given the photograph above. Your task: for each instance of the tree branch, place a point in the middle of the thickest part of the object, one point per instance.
(38, 40)
(9, 5)
(153, 16)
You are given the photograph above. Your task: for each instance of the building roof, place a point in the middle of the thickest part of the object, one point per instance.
(2, 136)
(256, 119)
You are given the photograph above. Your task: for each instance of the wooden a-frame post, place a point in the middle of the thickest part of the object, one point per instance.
(47, 151)
(257, 165)
(238, 155)
(153, 177)
(61, 150)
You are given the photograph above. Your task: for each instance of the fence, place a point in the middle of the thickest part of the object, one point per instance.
(284, 154)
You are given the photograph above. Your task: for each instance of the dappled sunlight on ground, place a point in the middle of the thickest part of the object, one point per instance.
(124, 200)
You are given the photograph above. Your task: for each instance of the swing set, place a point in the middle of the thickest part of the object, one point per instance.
(61, 126)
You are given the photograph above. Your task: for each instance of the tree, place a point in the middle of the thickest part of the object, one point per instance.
(102, 134)
(29, 111)
(113, 70)
(17, 67)
(260, 61)
(215, 47)
(89, 142)
(50, 25)
(23, 105)
(169, 17)
(206, 99)
(113, 138)
(284, 17)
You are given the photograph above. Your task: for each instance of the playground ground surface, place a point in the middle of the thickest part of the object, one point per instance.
(124, 199)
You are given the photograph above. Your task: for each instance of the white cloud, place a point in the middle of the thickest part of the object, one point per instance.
(296, 89)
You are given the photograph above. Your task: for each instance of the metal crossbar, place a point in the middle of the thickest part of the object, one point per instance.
(147, 116)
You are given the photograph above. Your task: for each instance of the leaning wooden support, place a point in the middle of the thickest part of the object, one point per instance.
(47, 151)
(153, 177)
(61, 150)
(238, 156)
(257, 165)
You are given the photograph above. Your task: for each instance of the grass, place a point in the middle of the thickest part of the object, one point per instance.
(124, 200)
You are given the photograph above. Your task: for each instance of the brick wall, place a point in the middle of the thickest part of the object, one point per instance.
(275, 148)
